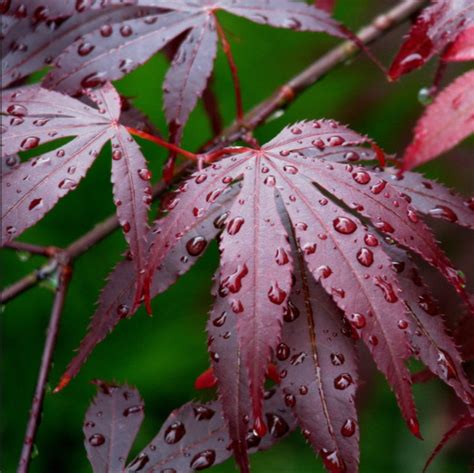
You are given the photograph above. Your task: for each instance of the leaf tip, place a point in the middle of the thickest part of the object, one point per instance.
(63, 382)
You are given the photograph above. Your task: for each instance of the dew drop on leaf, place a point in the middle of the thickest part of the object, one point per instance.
(276, 294)
(132, 410)
(196, 245)
(444, 212)
(30, 143)
(365, 257)
(290, 312)
(337, 359)
(277, 426)
(235, 225)
(361, 177)
(203, 460)
(343, 381)
(344, 225)
(348, 428)
(96, 440)
(174, 433)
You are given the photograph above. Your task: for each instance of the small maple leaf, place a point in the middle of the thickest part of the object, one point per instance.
(35, 116)
(437, 27)
(445, 123)
(193, 437)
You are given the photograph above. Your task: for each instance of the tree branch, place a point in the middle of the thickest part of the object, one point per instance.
(49, 345)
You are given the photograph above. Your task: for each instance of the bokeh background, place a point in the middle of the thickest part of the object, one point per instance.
(163, 355)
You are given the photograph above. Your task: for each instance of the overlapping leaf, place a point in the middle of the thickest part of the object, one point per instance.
(31, 46)
(438, 26)
(34, 116)
(445, 123)
(194, 437)
(115, 50)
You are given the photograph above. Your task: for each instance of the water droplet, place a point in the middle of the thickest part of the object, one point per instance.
(123, 310)
(126, 227)
(235, 225)
(301, 226)
(323, 202)
(85, 48)
(67, 184)
(373, 340)
(444, 212)
(270, 181)
(276, 425)
(412, 216)
(290, 312)
(96, 440)
(446, 365)
(276, 294)
(424, 96)
(378, 187)
(290, 400)
(236, 306)
(365, 257)
(387, 289)
(298, 358)
(336, 141)
(282, 351)
(343, 381)
(126, 30)
(139, 463)
(174, 433)
(233, 282)
(195, 246)
(60, 153)
(344, 225)
(357, 320)
(17, 110)
(361, 177)
(427, 304)
(290, 169)
(324, 272)
(351, 156)
(220, 221)
(132, 410)
(371, 240)
(348, 428)
(203, 413)
(337, 359)
(144, 174)
(309, 248)
(95, 79)
(296, 131)
(220, 320)
(106, 31)
(252, 440)
(203, 460)
(30, 143)
(384, 227)
(200, 178)
(332, 461)
(402, 324)
(319, 143)
(281, 256)
(35, 204)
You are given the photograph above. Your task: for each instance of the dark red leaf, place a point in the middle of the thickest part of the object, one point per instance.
(463, 48)
(463, 423)
(432, 198)
(326, 5)
(437, 26)
(445, 123)
(425, 327)
(194, 437)
(319, 374)
(37, 116)
(111, 425)
(30, 47)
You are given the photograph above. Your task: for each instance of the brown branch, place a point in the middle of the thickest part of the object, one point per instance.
(49, 345)
(30, 248)
(280, 98)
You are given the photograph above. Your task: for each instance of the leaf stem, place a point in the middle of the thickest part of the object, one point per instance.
(163, 143)
(233, 70)
(49, 346)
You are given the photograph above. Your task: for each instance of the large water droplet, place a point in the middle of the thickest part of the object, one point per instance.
(276, 294)
(290, 312)
(139, 463)
(444, 212)
(35, 204)
(174, 433)
(203, 413)
(332, 461)
(30, 143)
(343, 381)
(387, 289)
(96, 440)
(85, 48)
(348, 428)
(126, 30)
(344, 225)
(195, 246)
(361, 177)
(203, 460)
(290, 169)
(371, 240)
(144, 174)
(365, 257)
(337, 359)
(235, 225)
(281, 256)
(17, 110)
(282, 351)
(276, 425)
(233, 282)
(357, 320)
(220, 321)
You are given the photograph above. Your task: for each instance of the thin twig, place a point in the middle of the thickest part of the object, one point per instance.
(30, 248)
(49, 345)
(233, 70)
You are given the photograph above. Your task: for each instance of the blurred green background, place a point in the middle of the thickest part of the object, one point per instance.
(163, 355)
